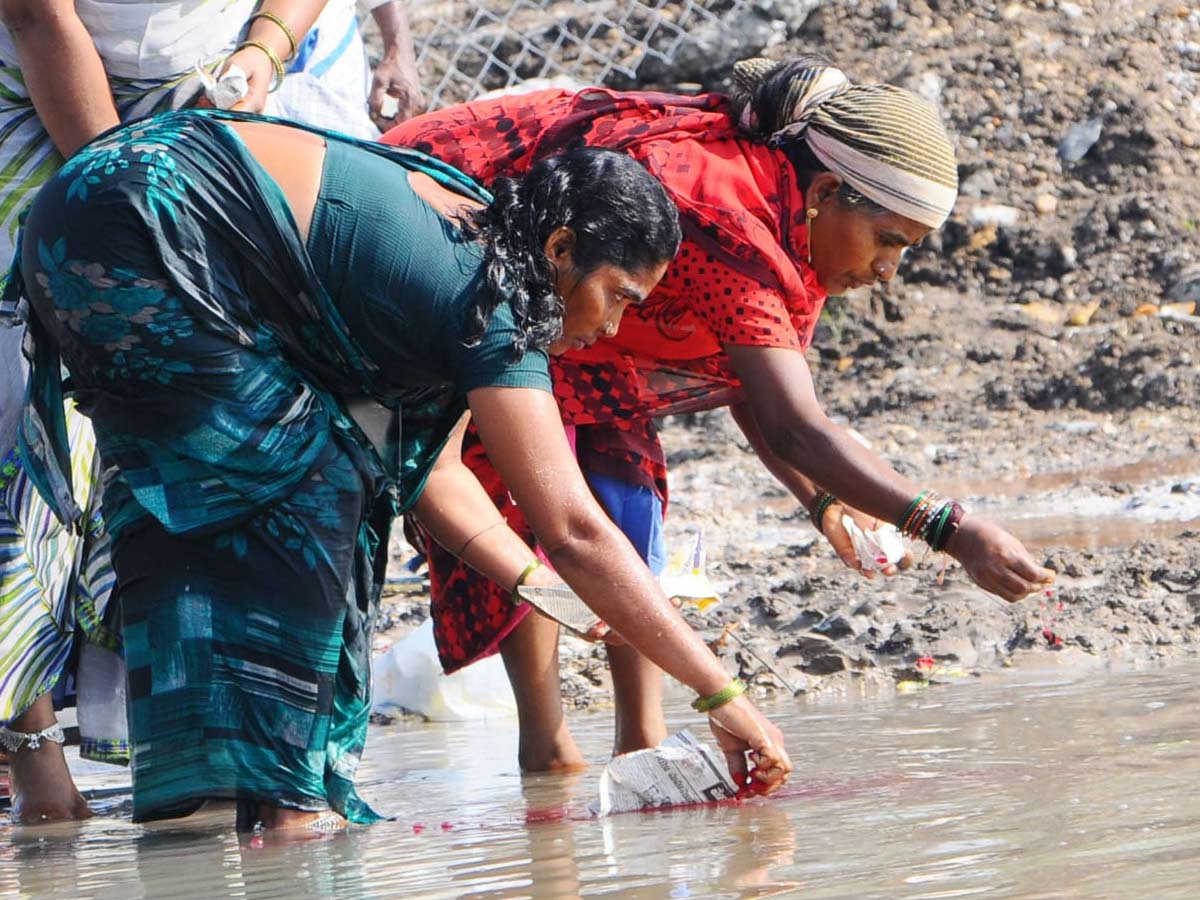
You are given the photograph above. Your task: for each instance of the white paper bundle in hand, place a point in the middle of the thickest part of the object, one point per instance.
(228, 90)
(877, 549)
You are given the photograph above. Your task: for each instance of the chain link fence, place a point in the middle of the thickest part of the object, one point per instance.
(468, 47)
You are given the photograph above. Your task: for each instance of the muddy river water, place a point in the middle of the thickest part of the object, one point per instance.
(1030, 784)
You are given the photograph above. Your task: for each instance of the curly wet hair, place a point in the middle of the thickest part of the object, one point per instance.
(617, 212)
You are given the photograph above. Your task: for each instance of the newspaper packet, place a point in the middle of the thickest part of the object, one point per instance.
(680, 771)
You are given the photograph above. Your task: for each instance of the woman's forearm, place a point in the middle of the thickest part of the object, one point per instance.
(460, 516)
(522, 431)
(800, 485)
(599, 563)
(780, 393)
(63, 72)
(298, 15)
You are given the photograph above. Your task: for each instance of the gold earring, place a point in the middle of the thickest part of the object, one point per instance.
(811, 213)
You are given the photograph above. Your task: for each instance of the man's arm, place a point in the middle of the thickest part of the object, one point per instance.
(396, 75)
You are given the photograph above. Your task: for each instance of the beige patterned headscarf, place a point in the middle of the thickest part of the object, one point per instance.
(887, 143)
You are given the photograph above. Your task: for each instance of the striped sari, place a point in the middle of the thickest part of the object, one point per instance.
(55, 584)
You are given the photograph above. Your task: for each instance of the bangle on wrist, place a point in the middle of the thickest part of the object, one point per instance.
(283, 26)
(821, 504)
(932, 518)
(276, 62)
(525, 573)
(735, 688)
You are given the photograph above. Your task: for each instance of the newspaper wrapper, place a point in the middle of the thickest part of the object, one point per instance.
(678, 772)
(561, 604)
(227, 91)
(876, 549)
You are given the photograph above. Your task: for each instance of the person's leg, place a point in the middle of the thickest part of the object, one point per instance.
(637, 682)
(637, 693)
(530, 654)
(42, 789)
(39, 595)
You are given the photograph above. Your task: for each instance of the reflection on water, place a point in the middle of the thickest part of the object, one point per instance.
(1040, 787)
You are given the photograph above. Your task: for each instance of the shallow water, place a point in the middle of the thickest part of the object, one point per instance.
(1034, 785)
(1158, 499)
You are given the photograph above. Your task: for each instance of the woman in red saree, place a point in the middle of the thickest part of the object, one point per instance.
(798, 185)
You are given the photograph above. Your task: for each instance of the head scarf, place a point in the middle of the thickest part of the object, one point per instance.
(888, 144)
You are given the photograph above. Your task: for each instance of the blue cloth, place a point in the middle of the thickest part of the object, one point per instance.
(638, 512)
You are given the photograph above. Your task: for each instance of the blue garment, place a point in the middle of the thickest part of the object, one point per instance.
(638, 512)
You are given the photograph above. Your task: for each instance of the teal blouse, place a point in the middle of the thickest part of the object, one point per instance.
(404, 278)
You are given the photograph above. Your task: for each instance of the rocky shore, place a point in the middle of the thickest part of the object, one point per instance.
(1037, 358)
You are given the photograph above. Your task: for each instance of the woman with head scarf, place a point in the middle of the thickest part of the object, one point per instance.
(798, 184)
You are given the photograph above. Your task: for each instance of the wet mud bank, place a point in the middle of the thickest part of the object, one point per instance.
(1108, 499)
(1036, 358)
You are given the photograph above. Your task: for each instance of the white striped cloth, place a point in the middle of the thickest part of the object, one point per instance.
(887, 143)
(52, 581)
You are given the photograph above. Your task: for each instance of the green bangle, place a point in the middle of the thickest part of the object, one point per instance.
(824, 500)
(735, 688)
(525, 573)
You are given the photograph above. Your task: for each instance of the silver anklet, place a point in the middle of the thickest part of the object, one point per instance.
(12, 741)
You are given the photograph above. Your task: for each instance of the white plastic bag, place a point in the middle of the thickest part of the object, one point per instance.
(686, 577)
(876, 549)
(410, 676)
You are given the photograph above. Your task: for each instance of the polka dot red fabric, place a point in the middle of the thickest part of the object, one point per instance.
(738, 279)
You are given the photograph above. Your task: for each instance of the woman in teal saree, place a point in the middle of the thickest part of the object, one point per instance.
(222, 291)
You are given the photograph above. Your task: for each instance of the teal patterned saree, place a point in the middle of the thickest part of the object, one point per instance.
(249, 513)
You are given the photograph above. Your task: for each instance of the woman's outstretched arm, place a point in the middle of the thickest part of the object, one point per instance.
(806, 490)
(779, 390)
(522, 432)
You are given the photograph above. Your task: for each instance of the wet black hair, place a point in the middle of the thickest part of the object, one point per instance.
(618, 213)
(767, 99)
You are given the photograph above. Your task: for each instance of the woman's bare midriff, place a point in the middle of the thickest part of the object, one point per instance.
(294, 157)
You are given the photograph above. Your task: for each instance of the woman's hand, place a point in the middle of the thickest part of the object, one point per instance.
(259, 75)
(839, 538)
(997, 561)
(740, 729)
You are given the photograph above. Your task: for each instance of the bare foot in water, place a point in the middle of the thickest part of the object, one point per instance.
(41, 784)
(277, 818)
(554, 752)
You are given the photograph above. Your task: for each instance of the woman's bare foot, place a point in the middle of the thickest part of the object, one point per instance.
(557, 751)
(278, 818)
(41, 784)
